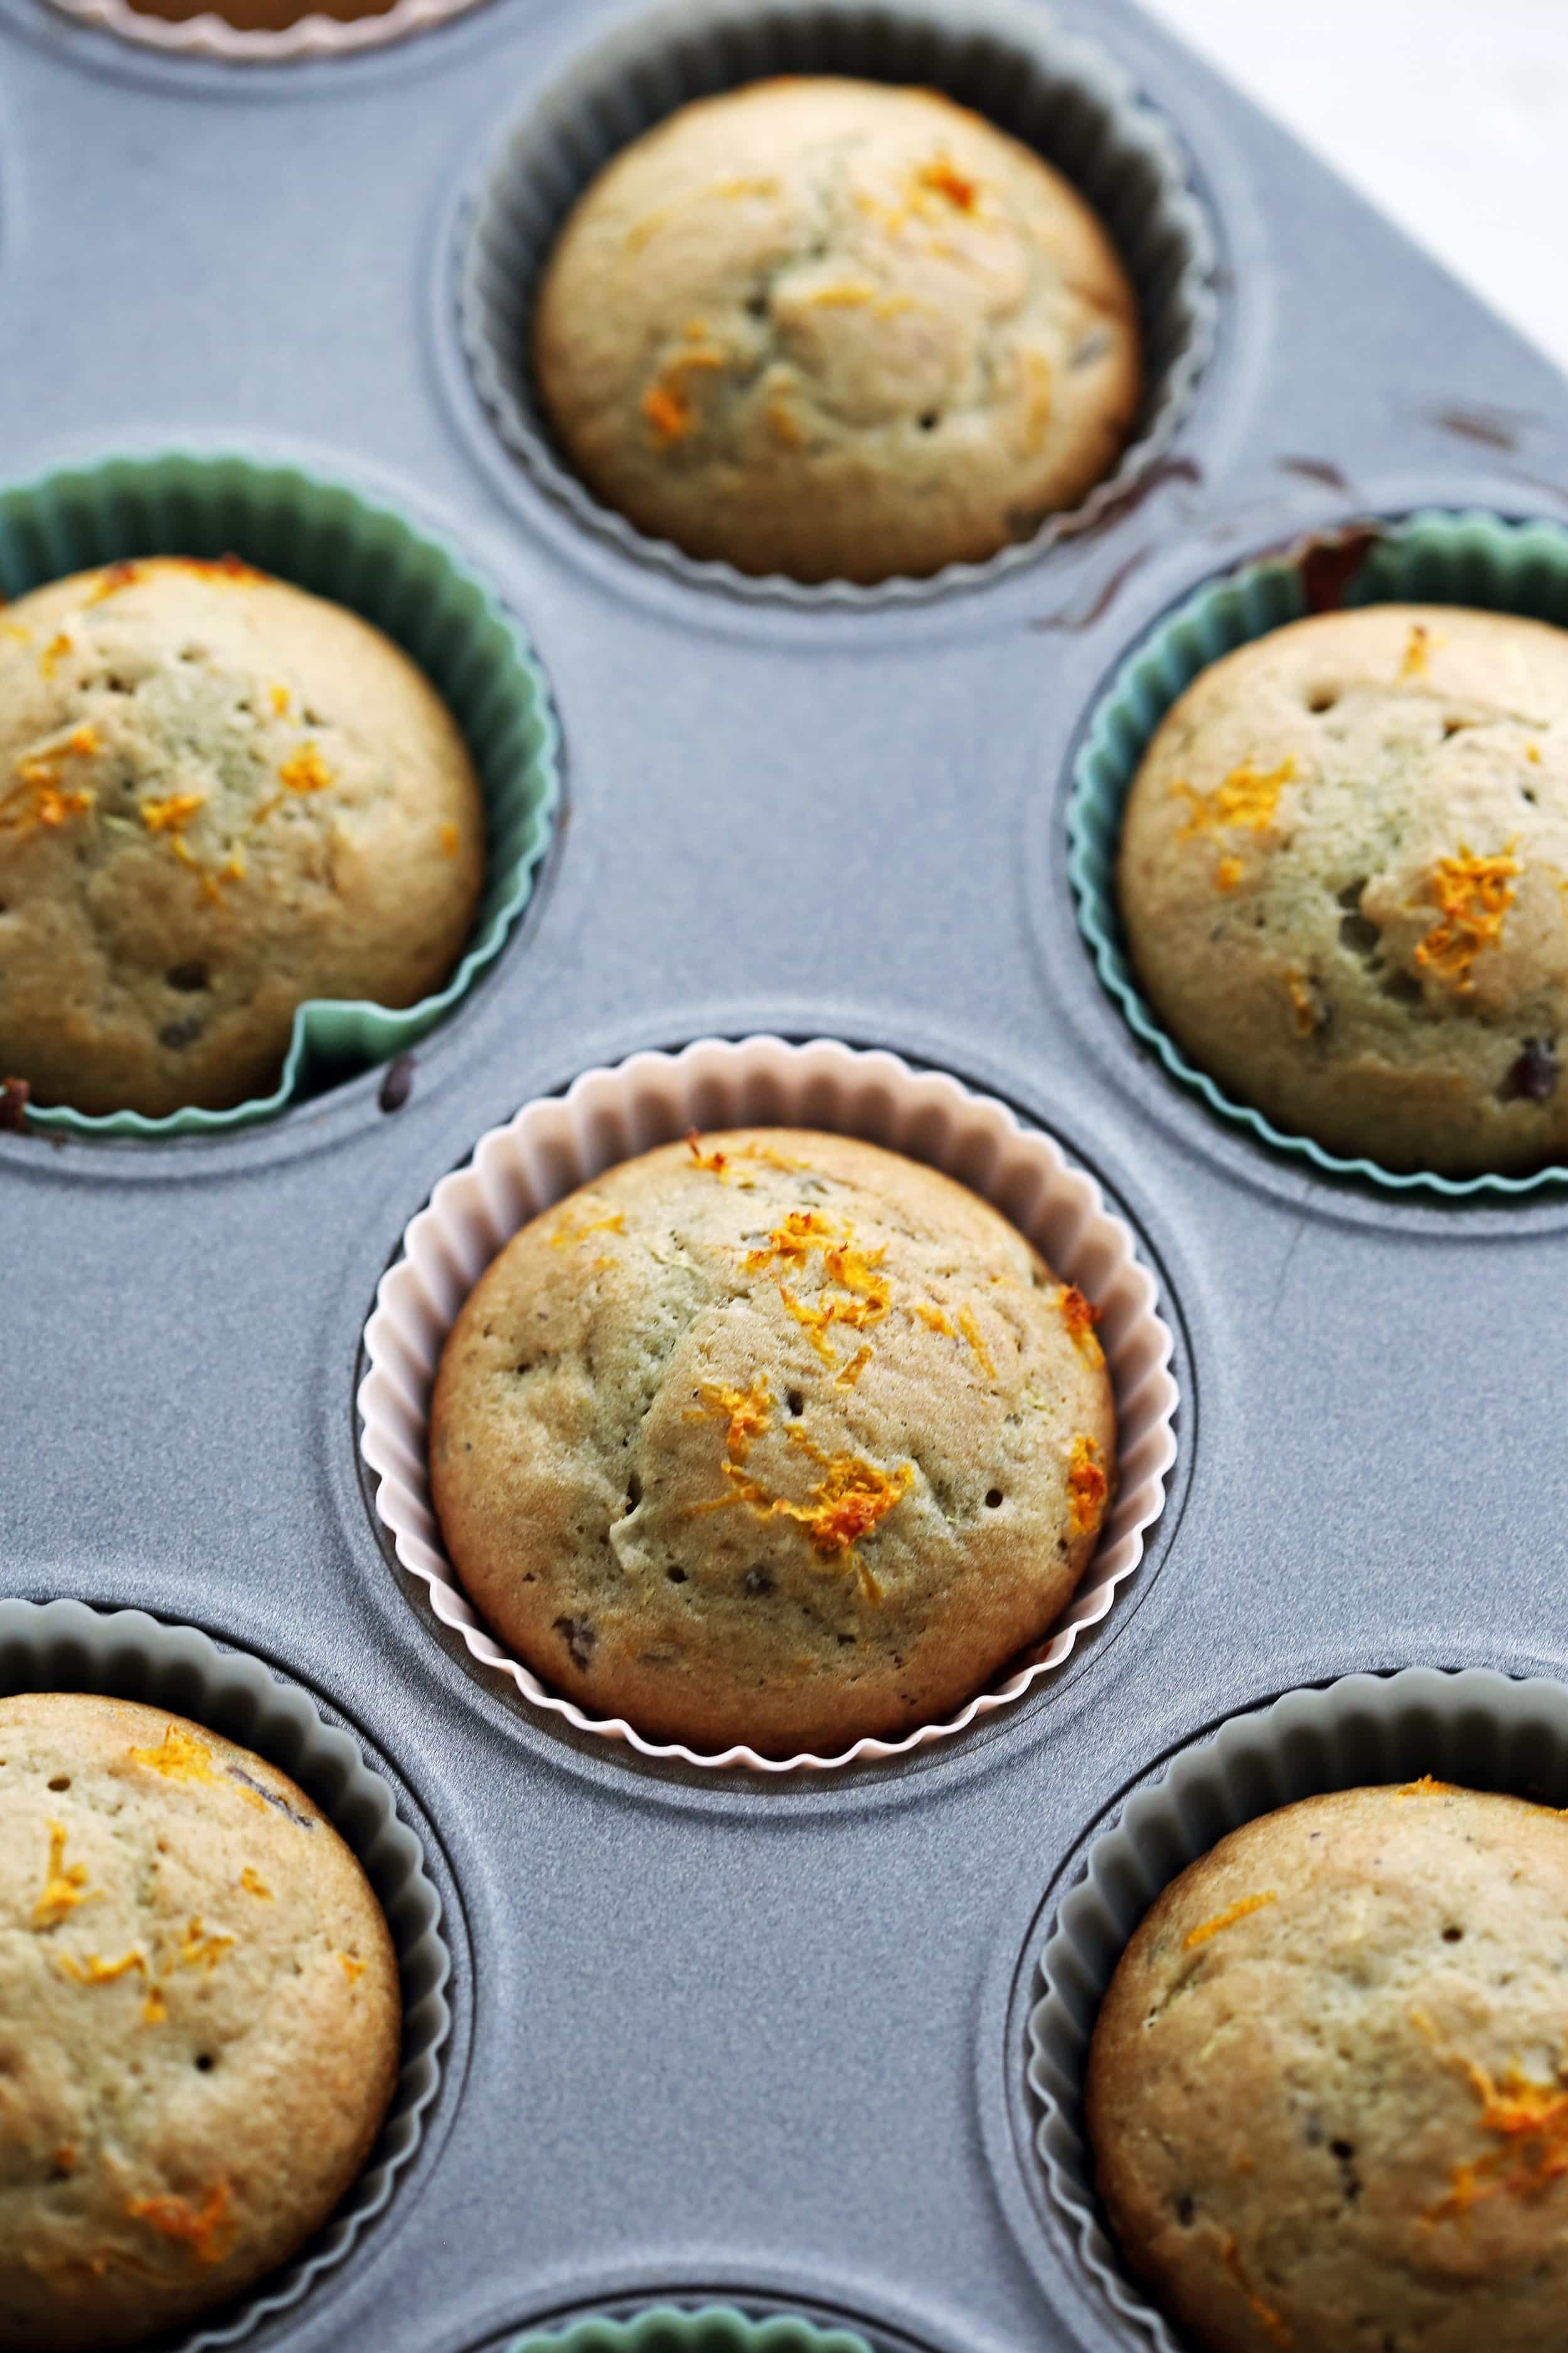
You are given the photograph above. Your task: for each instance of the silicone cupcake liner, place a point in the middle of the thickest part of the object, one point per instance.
(1474, 1727)
(65, 1646)
(1431, 557)
(1060, 94)
(703, 2328)
(329, 539)
(208, 35)
(559, 1142)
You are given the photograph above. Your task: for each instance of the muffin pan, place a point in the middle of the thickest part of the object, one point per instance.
(720, 2035)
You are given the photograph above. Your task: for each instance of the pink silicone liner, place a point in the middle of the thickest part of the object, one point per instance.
(207, 35)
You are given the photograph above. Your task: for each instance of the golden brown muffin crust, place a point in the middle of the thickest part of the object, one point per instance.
(837, 330)
(218, 796)
(199, 2021)
(1344, 878)
(1328, 2089)
(770, 1437)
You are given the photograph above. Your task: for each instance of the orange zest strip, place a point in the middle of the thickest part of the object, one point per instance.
(94, 1971)
(1269, 2320)
(305, 771)
(1246, 799)
(180, 1756)
(207, 2229)
(971, 1331)
(1472, 895)
(65, 1885)
(1087, 1485)
(1240, 1909)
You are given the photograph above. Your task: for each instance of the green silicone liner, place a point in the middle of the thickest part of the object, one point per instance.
(1431, 558)
(329, 539)
(706, 2328)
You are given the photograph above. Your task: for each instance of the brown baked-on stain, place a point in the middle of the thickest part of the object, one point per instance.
(1330, 565)
(1316, 470)
(1101, 604)
(398, 1084)
(1489, 429)
(1127, 501)
(15, 1094)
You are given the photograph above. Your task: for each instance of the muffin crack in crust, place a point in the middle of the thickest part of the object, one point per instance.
(199, 2021)
(218, 796)
(1344, 878)
(807, 1443)
(837, 330)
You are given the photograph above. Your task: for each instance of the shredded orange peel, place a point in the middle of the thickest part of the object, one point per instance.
(65, 1884)
(1242, 1909)
(207, 2229)
(1087, 1485)
(39, 796)
(567, 1231)
(853, 1496)
(181, 1757)
(1245, 801)
(1080, 1315)
(1472, 895)
(1269, 2320)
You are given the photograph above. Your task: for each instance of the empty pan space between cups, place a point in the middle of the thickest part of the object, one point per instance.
(1048, 87)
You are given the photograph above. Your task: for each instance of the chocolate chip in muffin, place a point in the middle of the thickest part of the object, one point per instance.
(1533, 1077)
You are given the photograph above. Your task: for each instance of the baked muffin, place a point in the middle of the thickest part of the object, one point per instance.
(218, 796)
(1345, 881)
(1328, 2089)
(835, 330)
(770, 1437)
(199, 2021)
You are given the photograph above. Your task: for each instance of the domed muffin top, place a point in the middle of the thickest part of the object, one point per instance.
(835, 330)
(771, 1437)
(219, 796)
(1345, 877)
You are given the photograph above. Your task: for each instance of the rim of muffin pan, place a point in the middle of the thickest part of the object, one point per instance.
(65, 1645)
(609, 1115)
(1427, 555)
(1060, 94)
(319, 533)
(1472, 1726)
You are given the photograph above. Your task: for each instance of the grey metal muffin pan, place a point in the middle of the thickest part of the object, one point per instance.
(717, 2035)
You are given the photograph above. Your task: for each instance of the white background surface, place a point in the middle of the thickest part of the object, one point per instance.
(1451, 115)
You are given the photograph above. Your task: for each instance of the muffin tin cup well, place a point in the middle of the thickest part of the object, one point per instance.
(65, 1646)
(558, 1143)
(699, 2328)
(1471, 1726)
(315, 36)
(1431, 557)
(1054, 92)
(321, 536)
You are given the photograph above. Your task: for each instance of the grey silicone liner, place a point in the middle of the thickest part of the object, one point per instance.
(1059, 93)
(1472, 1727)
(65, 1646)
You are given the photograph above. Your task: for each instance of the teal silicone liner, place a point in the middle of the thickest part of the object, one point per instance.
(1431, 557)
(331, 540)
(705, 2328)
